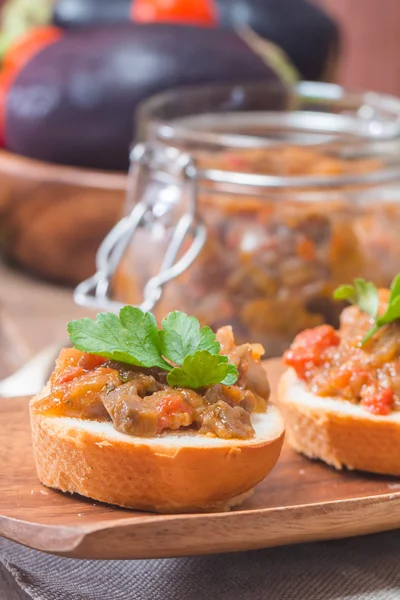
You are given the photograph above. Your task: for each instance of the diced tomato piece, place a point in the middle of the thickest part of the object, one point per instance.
(169, 409)
(352, 375)
(320, 338)
(308, 348)
(72, 363)
(341, 378)
(66, 363)
(88, 362)
(69, 375)
(380, 403)
(301, 361)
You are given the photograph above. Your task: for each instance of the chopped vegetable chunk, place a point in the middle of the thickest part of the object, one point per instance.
(345, 365)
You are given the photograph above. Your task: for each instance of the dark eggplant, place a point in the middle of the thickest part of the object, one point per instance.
(303, 30)
(73, 102)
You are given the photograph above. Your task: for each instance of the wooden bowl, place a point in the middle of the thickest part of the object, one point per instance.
(53, 218)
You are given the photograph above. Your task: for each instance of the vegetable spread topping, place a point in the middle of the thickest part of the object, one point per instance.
(361, 361)
(147, 380)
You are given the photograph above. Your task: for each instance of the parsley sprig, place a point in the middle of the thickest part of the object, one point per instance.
(189, 353)
(365, 295)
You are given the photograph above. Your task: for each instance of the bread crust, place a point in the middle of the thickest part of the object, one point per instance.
(73, 456)
(338, 432)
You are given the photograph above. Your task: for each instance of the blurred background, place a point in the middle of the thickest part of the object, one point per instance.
(370, 35)
(369, 30)
(280, 118)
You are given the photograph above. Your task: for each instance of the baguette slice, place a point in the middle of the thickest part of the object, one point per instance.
(338, 432)
(176, 472)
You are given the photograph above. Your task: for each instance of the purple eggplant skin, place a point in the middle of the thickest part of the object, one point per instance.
(303, 30)
(308, 35)
(74, 102)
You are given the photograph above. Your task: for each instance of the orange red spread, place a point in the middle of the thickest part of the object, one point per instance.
(334, 363)
(139, 401)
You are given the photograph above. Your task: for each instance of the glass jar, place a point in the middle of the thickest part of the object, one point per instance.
(248, 205)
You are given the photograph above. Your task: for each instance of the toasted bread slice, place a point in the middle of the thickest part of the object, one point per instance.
(338, 432)
(173, 472)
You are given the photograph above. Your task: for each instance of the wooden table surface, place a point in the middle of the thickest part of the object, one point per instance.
(33, 315)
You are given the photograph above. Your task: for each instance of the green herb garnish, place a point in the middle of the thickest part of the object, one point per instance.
(364, 294)
(131, 338)
(189, 352)
(202, 369)
(181, 336)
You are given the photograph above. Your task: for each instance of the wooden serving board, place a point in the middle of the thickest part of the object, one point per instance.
(300, 501)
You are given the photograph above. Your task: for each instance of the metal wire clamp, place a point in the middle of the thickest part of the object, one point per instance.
(96, 291)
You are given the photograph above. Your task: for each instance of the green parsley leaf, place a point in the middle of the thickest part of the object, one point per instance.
(392, 313)
(369, 335)
(395, 289)
(181, 336)
(202, 369)
(345, 292)
(131, 338)
(363, 293)
(231, 376)
(393, 310)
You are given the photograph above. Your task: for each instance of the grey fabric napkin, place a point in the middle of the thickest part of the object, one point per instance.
(354, 569)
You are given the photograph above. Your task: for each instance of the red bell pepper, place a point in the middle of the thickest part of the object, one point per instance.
(195, 12)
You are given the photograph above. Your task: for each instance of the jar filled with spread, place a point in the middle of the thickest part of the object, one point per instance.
(248, 205)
